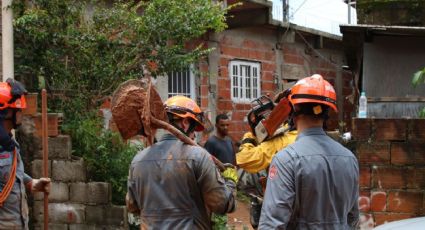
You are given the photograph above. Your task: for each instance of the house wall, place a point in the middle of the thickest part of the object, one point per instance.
(391, 154)
(284, 57)
(388, 66)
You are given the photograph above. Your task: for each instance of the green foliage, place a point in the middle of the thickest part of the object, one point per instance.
(219, 222)
(106, 156)
(82, 50)
(419, 78)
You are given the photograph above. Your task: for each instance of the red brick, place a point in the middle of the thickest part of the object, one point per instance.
(223, 82)
(204, 102)
(224, 92)
(224, 105)
(234, 52)
(364, 202)
(404, 201)
(244, 52)
(376, 152)
(204, 90)
(416, 178)
(408, 153)
(416, 129)
(365, 175)
(256, 54)
(224, 62)
(361, 128)
(389, 177)
(378, 201)
(270, 56)
(390, 129)
(238, 115)
(267, 86)
(223, 72)
(382, 218)
(32, 104)
(267, 76)
(268, 66)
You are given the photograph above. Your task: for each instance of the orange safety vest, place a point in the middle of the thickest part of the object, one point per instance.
(9, 184)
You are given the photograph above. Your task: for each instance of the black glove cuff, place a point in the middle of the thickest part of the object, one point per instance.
(249, 140)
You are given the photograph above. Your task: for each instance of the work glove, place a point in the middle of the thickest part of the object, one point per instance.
(41, 185)
(230, 173)
(249, 138)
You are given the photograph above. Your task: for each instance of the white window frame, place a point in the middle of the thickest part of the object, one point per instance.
(245, 78)
(182, 88)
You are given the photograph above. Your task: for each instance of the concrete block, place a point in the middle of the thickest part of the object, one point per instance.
(98, 193)
(78, 192)
(69, 171)
(37, 168)
(65, 213)
(59, 192)
(37, 211)
(59, 148)
(95, 214)
(116, 215)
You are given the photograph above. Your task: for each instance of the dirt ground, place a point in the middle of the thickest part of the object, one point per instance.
(240, 218)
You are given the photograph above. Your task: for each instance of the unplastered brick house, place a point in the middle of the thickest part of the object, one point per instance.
(258, 55)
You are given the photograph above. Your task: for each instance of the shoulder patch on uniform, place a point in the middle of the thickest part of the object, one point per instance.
(4, 156)
(272, 172)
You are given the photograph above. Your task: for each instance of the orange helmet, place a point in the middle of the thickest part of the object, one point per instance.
(313, 89)
(10, 100)
(183, 107)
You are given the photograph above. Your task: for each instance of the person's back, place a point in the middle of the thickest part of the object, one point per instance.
(172, 185)
(313, 183)
(325, 180)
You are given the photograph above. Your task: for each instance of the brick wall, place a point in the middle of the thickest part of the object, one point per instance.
(391, 154)
(280, 60)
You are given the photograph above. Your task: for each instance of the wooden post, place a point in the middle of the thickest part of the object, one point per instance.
(45, 153)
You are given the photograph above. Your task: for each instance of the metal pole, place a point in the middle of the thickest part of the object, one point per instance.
(7, 38)
(45, 153)
(349, 11)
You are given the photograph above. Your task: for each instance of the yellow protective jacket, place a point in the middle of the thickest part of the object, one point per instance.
(253, 158)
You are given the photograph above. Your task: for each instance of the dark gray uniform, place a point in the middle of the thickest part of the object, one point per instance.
(313, 184)
(177, 186)
(14, 212)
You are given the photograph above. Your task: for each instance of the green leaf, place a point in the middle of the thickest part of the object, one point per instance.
(418, 78)
(422, 113)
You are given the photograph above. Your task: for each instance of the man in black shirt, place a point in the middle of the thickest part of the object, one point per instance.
(220, 145)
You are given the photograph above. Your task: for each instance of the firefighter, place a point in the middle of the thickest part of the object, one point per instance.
(173, 185)
(312, 183)
(255, 157)
(13, 179)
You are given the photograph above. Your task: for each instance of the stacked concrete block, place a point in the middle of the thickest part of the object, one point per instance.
(74, 203)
